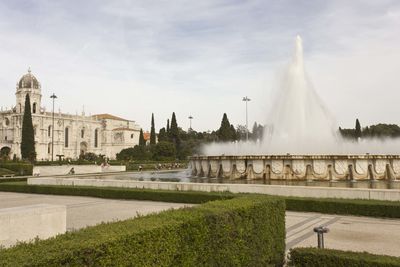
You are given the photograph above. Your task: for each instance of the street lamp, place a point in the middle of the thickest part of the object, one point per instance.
(190, 122)
(246, 99)
(53, 96)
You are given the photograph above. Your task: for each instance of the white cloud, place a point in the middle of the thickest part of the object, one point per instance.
(133, 58)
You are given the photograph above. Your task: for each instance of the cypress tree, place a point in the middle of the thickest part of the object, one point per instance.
(142, 142)
(225, 130)
(168, 126)
(28, 137)
(173, 131)
(152, 131)
(357, 132)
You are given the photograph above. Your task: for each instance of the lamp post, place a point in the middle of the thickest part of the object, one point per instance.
(53, 96)
(190, 122)
(246, 99)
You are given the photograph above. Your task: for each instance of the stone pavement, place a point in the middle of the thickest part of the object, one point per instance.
(378, 236)
(85, 211)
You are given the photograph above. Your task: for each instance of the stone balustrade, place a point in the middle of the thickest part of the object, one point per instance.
(298, 167)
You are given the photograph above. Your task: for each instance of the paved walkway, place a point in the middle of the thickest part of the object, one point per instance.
(378, 236)
(85, 211)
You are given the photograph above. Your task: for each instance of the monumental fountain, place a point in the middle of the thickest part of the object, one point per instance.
(301, 142)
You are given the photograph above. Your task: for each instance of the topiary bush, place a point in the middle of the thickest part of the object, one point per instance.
(314, 257)
(19, 168)
(245, 231)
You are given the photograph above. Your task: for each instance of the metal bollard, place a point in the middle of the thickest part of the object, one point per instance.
(320, 230)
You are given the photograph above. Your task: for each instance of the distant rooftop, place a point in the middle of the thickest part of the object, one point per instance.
(108, 116)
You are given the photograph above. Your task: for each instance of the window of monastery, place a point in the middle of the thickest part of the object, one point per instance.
(82, 133)
(34, 108)
(49, 148)
(7, 122)
(96, 138)
(131, 136)
(49, 131)
(66, 136)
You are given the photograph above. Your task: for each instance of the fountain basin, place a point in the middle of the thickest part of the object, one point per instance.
(298, 167)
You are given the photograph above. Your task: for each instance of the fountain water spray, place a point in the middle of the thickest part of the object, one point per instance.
(301, 142)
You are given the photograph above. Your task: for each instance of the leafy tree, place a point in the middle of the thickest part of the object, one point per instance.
(162, 135)
(142, 142)
(152, 131)
(257, 132)
(357, 129)
(28, 137)
(233, 133)
(164, 150)
(135, 153)
(225, 130)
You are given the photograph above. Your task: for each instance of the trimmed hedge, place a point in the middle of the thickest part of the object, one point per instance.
(245, 231)
(356, 207)
(310, 257)
(117, 193)
(19, 168)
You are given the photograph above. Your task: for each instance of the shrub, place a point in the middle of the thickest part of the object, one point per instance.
(19, 168)
(117, 193)
(357, 207)
(310, 257)
(246, 231)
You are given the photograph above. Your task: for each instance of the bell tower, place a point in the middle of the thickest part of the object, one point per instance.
(28, 84)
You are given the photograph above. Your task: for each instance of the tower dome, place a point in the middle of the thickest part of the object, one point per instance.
(28, 81)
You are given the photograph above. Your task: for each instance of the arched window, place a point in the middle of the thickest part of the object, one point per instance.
(34, 108)
(66, 137)
(96, 137)
(49, 131)
(49, 148)
(131, 136)
(82, 133)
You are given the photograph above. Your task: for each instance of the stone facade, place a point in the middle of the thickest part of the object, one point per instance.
(74, 135)
(299, 167)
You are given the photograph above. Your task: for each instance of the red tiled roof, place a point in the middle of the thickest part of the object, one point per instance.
(146, 136)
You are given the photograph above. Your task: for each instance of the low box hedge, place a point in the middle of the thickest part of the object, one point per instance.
(118, 193)
(356, 207)
(245, 231)
(314, 257)
(19, 168)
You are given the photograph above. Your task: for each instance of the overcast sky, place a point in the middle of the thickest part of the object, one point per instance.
(199, 58)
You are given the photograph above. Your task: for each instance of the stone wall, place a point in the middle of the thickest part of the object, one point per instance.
(280, 190)
(298, 167)
(25, 223)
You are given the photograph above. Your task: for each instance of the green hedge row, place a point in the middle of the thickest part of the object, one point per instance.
(117, 193)
(356, 207)
(371, 208)
(19, 168)
(245, 231)
(314, 257)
